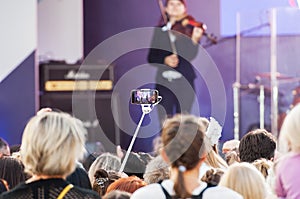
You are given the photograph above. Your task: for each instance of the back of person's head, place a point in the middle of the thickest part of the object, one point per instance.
(184, 147)
(289, 138)
(52, 143)
(12, 170)
(129, 184)
(106, 161)
(230, 145)
(117, 194)
(245, 179)
(257, 144)
(4, 148)
(136, 164)
(156, 171)
(14, 148)
(3, 186)
(103, 179)
(230, 149)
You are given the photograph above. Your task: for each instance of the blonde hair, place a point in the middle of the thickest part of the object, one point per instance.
(263, 165)
(215, 160)
(245, 179)
(52, 143)
(289, 138)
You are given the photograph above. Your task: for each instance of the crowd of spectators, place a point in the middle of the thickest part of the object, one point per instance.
(50, 163)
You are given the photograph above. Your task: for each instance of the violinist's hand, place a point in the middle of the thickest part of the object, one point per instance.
(197, 34)
(172, 60)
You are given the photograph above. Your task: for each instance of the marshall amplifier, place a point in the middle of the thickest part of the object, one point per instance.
(97, 113)
(68, 78)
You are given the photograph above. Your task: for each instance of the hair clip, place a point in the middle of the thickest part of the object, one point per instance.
(182, 168)
(100, 182)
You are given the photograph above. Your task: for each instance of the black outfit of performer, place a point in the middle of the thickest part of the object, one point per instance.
(185, 48)
(48, 188)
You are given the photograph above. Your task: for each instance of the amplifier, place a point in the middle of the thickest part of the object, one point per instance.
(66, 77)
(101, 125)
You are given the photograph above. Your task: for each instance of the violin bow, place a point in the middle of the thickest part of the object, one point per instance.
(164, 16)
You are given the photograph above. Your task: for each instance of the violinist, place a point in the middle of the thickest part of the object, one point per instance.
(174, 45)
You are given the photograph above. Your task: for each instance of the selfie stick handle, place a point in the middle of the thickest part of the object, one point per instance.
(131, 144)
(146, 108)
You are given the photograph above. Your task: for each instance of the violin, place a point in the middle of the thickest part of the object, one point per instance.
(185, 26)
(191, 22)
(188, 23)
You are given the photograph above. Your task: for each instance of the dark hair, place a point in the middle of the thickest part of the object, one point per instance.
(257, 144)
(14, 148)
(213, 176)
(103, 179)
(182, 1)
(3, 145)
(184, 146)
(12, 170)
(136, 164)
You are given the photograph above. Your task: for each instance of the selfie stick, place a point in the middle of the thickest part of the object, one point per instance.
(146, 108)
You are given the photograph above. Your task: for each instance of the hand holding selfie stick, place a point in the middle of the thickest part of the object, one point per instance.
(146, 108)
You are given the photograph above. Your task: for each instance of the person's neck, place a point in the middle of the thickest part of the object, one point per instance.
(173, 19)
(37, 177)
(191, 178)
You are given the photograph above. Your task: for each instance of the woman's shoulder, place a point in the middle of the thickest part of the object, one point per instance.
(26, 190)
(152, 190)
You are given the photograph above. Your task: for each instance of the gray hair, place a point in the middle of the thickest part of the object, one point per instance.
(156, 170)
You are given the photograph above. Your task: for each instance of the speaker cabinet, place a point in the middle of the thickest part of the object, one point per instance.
(95, 110)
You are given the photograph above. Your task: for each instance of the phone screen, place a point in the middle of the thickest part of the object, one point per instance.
(144, 96)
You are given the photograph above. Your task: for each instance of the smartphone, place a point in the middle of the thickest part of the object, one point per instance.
(144, 96)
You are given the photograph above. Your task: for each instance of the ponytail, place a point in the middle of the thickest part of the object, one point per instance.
(179, 186)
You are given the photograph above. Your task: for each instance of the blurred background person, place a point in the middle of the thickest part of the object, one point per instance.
(4, 148)
(174, 45)
(287, 170)
(245, 179)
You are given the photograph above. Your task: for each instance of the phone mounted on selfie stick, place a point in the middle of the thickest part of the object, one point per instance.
(146, 108)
